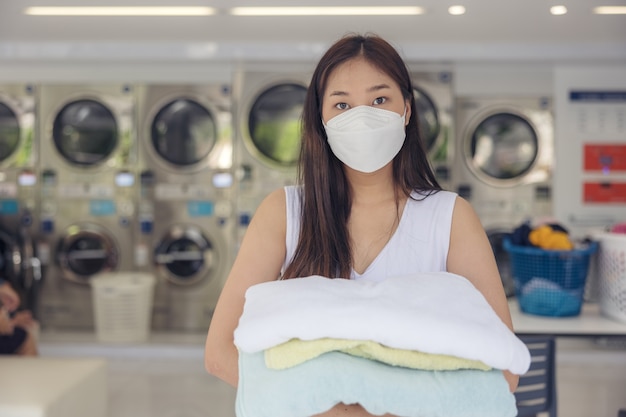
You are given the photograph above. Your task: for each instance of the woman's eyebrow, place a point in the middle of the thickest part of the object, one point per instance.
(338, 93)
(378, 87)
(369, 90)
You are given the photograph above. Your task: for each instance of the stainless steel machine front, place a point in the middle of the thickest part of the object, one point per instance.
(268, 127)
(504, 163)
(88, 179)
(19, 191)
(185, 230)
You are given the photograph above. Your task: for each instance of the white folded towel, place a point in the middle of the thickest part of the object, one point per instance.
(440, 313)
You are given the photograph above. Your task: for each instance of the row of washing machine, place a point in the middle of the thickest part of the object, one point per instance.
(165, 178)
(116, 177)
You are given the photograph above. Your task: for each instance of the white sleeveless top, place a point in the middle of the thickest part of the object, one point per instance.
(419, 244)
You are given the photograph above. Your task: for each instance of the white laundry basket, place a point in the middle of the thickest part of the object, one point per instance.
(612, 275)
(123, 306)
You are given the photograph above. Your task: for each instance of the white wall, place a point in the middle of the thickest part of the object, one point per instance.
(478, 78)
(503, 79)
(114, 71)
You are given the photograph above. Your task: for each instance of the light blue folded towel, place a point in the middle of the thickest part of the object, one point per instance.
(317, 385)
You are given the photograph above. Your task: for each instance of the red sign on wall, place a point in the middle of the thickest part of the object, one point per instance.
(604, 192)
(608, 157)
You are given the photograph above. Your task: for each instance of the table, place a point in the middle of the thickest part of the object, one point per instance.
(52, 387)
(590, 323)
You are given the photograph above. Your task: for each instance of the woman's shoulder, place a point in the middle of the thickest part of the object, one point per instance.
(268, 224)
(463, 207)
(273, 202)
(464, 216)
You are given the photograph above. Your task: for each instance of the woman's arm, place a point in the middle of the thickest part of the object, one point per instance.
(471, 256)
(259, 259)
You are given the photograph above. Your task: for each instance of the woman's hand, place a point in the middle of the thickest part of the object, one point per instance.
(512, 379)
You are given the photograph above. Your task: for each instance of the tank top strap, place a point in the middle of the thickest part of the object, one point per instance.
(293, 196)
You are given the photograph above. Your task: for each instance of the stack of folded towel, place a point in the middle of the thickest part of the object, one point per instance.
(418, 345)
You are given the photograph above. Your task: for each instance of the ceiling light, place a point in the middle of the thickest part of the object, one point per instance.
(610, 10)
(558, 10)
(325, 11)
(456, 10)
(120, 11)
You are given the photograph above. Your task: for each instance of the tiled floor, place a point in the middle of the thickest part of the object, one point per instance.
(591, 378)
(162, 378)
(166, 377)
(166, 388)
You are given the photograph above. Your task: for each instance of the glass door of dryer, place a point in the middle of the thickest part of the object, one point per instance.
(9, 132)
(274, 125)
(85, 132)
(183, 133)
(502, 148)
(17, 126)
(428, 118)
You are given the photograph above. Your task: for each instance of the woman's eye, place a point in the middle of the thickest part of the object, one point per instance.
(379, 100)
(341, 106)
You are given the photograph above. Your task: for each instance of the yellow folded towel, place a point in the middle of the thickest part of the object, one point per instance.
(297, 351)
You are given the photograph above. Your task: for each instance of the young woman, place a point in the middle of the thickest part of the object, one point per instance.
(368, 206)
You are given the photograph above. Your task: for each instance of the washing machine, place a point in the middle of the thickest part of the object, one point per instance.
(503, 164)
(88, 181)
(268, 127)
(19, 190)
(186, 210)
(434, 102)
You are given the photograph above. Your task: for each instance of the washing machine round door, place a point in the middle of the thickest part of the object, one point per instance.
(503, 147)
(496, 239)
(85, 132)
(183, 133)
(184, 256)
(274, 125)
(86, 250)
(428, 118)
(10, 256)
(9, 132)
(30, 274)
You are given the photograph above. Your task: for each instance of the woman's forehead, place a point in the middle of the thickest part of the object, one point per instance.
(357, 72)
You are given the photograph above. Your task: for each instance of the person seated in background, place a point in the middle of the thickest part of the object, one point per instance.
(17, 333)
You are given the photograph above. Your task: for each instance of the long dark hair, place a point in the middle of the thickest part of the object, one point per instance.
(324, 243)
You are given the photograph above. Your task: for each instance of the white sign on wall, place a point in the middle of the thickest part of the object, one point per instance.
(590, 147)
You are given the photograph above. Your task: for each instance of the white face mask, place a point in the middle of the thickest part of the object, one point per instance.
(366, 138)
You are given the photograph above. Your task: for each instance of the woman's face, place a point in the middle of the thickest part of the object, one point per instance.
(358, 83)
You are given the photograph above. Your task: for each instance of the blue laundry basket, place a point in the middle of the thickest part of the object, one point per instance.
(549, 282)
